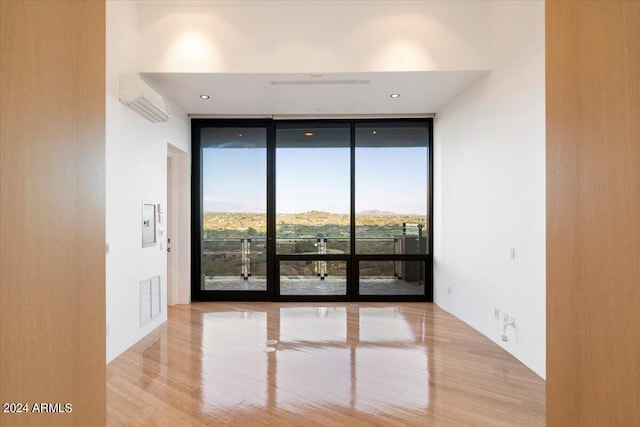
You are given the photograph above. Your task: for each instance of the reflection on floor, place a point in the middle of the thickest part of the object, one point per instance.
(339, 364)
(309, 285)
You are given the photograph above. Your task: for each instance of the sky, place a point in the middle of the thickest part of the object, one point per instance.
(390, 179)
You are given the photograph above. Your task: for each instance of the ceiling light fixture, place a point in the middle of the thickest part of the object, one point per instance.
(308, 134)
(395, 95)
(204, 96)
(374, 132)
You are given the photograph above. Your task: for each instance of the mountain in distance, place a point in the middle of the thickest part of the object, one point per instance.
(240, 221)
(372, 212)
(376, 212)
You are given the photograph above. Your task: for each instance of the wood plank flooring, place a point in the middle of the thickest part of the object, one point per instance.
(329, 364)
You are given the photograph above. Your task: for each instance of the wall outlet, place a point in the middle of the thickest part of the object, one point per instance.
(496, 313)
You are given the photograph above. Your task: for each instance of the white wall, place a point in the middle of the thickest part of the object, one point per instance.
(136, 169)
(313, 36)
(490, 189)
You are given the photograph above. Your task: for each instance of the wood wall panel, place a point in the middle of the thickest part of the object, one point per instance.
(52, 235)
(593, 213)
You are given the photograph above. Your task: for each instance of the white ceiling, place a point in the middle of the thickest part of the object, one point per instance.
(306, 94)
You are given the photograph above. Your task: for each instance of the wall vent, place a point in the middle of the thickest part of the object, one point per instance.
(150, 301)
(318, 82)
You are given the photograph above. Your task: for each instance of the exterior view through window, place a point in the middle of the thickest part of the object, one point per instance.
(311, 210)
(234, 209)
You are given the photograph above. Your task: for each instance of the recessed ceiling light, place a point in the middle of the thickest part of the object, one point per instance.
(374, 132)
(239, 134)
(204, 96)
(395, 95)
(308, 134)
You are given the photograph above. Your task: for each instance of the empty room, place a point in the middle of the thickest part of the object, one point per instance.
(311, 212)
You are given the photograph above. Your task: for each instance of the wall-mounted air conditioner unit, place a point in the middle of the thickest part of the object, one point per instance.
(139, 96)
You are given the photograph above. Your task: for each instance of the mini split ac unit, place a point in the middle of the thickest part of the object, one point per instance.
(139, 96)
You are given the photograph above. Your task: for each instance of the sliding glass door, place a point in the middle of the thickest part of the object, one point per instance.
(313, 199)
(311, 210)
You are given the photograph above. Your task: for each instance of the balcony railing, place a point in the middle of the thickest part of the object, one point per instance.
(246, 255)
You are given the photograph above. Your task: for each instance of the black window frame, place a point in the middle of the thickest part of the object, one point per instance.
(273, 259)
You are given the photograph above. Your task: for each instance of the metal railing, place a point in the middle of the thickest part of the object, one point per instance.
(321, 246)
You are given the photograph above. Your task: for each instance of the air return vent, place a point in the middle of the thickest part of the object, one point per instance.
(149, 299)
(318, 82)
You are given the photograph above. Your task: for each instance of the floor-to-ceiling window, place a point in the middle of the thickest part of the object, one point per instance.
(234, 208)
(391, 207)
(311, 210)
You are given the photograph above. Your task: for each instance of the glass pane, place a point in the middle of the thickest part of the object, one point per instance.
(312, 188)
(234, 187)
(392, 277)
(313, 277)
(391, 188)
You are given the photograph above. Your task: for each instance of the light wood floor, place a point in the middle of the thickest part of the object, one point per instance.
(329, 364)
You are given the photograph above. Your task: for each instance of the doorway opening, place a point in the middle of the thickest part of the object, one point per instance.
(172, 290)
(322, 210)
